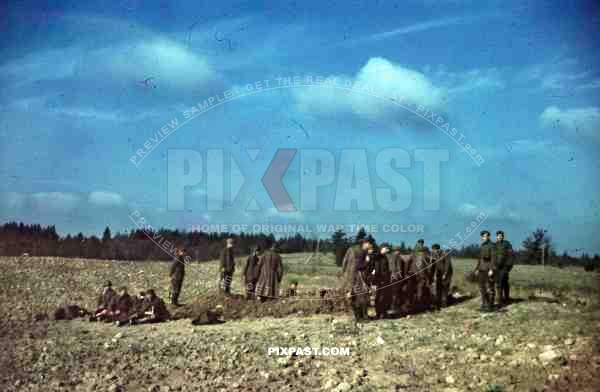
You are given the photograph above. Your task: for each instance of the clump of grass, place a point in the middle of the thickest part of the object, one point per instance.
(494, 388)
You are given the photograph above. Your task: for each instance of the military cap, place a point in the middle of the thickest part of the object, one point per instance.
(385, 245)
(499, 232)
(435, 246)
(484, 232)
(421, 241)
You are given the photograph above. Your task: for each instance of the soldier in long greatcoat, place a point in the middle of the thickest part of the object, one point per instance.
(270, 273)
(250, 273)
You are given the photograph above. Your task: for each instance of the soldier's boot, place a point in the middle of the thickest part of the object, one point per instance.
(175, 298)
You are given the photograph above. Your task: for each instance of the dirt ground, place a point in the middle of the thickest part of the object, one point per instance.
(547, 340)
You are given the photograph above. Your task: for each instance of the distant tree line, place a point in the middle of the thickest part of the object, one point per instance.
(36, 240)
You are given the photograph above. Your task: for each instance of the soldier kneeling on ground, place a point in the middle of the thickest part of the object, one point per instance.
(138, 307)
(156, 310)
(292, 290)
(121, 306)
(212, 316)
(104, 302)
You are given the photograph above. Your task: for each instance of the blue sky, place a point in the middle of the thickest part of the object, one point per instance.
(518, 79)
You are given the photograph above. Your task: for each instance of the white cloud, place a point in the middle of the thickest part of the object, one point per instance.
(105, 199)
(166, 60)
(113, 49)
(59, 201)
(581, 121)
(384, 79)
(494, 211)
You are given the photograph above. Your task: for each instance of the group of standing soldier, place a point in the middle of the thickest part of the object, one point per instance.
(261, 276)
(403, 283)
(492, 270)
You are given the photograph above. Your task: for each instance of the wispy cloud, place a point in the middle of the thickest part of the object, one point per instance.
(416, 28)
(105, 199)
(576, 121)
(560, 74)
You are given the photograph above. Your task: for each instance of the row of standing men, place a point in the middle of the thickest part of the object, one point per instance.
(404, 282)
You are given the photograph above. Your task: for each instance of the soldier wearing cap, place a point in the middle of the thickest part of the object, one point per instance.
(354, 272)
(422, 299)
(177, 273)
(379, 269)
(504, 263)
(442, 265)
(396, 280)
(104, 301)
(227, 266)
(485, 271)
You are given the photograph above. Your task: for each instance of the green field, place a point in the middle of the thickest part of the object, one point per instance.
(457, 349)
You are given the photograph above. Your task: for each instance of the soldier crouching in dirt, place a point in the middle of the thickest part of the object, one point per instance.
(211, 316)
(104, 302)
(156, 311)
(139, 306)
(121, 306)
(270, 273)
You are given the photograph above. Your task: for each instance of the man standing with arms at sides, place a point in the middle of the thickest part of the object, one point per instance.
(227, 266)
(270, 272)
(485, 270)
(396, 280)
(380, 270)
(504, 262)
(442, 264)
(177, 273)
(423, 278)
(250, 274)
(354, 269)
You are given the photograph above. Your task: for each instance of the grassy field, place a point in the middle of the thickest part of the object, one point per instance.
(547, 339)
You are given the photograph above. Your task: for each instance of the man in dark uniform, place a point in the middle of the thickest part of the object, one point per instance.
(354, 270)
(379, 268)
(270, 272)
(504, 262)
(442, 265)
(424, 276)
(485, 271)
(250, 273)
(139, 306)
(396, 280)
(227, 266)
(156, 310)
(177, 273)
(104, 301)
